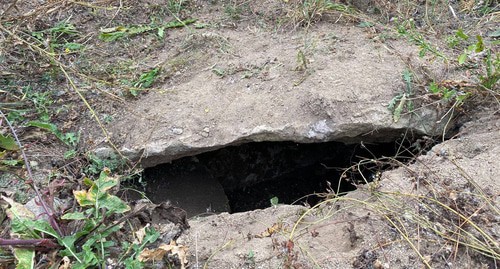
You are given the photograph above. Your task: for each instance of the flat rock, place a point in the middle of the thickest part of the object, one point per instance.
(258, 90)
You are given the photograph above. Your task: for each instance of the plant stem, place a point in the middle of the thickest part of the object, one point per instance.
(31, 181)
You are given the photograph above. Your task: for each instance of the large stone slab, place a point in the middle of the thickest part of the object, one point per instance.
(259, 88)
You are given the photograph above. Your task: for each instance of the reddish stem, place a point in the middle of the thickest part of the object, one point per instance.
(31, 182)
(30, 243)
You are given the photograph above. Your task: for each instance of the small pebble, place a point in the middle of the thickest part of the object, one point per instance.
(177, 131)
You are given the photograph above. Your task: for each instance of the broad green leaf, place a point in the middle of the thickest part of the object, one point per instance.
(8, 142)
(105, 182)
(146, 79)
(176, 23)
(462, 58)
(113, 33)
(495, 33)
(104, 233)
(29, 228)
(88, 226)
(69, 154)
(491, 81)
(131, 263)
(407, 77)
(69, 243)
(140, 29)
(133, 92)
(113, 29)
(71, 139)
(52, 128)
(70, 46)
(161, 32)
(25, 258)
(108, 37)
(43, 226)
(114, 204)
(89, 257)
(97, 194)
(461, 98)
(74, 216)
(422, 52)
(151, 235)
(448, 94)
(88, 182)
(22, 228)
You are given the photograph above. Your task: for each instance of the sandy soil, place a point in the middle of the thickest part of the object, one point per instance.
(245, 75)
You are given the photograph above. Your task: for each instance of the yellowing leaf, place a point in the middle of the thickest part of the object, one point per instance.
(25, 258)
(17, 210)
(84, 198)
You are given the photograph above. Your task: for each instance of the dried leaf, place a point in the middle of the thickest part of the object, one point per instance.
(179, 250)
(66, 263)
(140, 234)
(277, 227)
(152, 255)
(162, 250)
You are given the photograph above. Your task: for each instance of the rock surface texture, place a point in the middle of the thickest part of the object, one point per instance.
(331, 83)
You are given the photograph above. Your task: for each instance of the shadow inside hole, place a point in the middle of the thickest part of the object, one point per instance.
(245, 177)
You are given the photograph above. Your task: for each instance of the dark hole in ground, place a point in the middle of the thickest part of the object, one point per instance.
(246, 177)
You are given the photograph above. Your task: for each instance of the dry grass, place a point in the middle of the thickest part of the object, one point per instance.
(442, 223)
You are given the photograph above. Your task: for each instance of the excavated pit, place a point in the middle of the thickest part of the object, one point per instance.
(245, 177)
